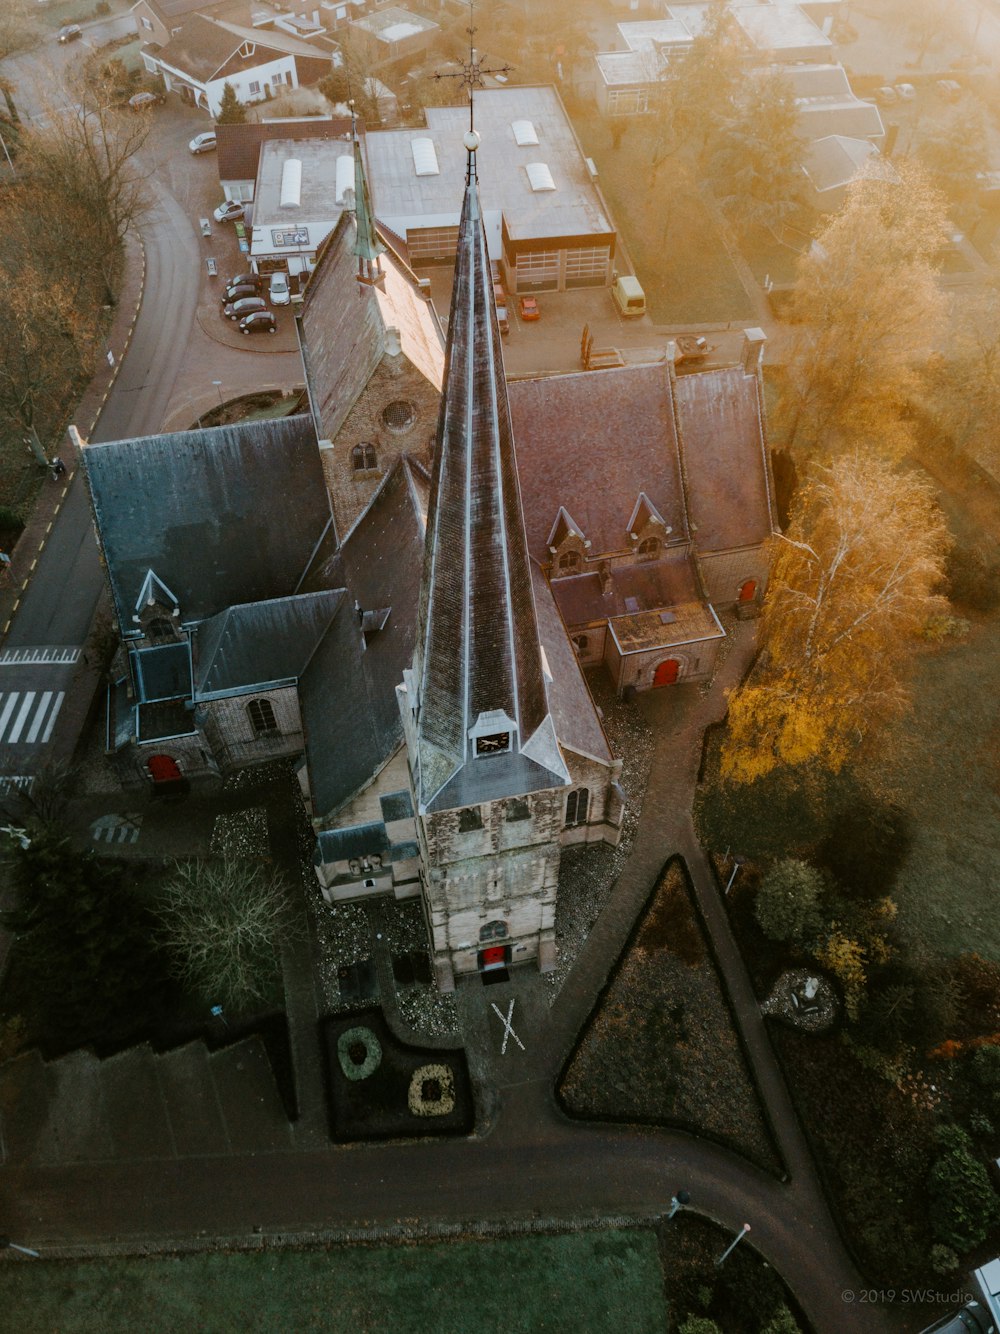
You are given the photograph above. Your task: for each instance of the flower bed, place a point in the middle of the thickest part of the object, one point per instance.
(660, 1046)
(407, 1092)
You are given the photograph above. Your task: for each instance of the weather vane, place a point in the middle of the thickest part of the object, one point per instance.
(471, 71)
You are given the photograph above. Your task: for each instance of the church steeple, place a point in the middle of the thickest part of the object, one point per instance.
(484, 730)
(367, 246)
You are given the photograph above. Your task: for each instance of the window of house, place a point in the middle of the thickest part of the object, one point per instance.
(399, 415)
(261, 716)
(577, 804)
(649, 549)
(277, 79)
(469, 819)
(255, 88)
(159, 628)
(363, 457)
(495, 930)
(569, 562)
(518, 809)
(146, 24)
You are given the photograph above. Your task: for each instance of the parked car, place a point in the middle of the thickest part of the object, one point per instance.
(246, 280)
(237, 291)
(949, 89)
(203, 143)
(278, 289)
(972, 1319)
(230, 210)
(246, 305)
(906, 92)
(258, 321)
(886, 96)
(529, 308)
(139, 100)
(70, 32)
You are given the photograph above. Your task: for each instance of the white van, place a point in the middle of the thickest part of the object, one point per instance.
(629, 297)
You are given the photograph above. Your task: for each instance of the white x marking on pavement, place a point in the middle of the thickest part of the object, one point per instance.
(508, 1031)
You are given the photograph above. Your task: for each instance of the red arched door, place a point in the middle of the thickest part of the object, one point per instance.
(667, 672)
(163, 769)
(748, 590)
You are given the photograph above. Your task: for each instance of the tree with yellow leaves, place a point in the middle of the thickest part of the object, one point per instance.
(867, 308)
(852, 584)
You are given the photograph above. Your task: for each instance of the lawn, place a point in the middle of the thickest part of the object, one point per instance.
(584, 1283)
(677, 251)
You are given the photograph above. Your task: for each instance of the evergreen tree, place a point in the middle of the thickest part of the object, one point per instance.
(231, 109)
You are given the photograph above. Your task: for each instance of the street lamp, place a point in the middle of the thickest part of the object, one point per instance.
(737, 863)
(218, 390)
(680, 1199)
(7, 1245)
(732, 1246)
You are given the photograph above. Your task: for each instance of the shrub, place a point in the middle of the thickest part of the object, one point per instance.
(944, 1261)
(973, 578)
(962, 1205)
(981, 1125)
(787, 905)
(699, 1324)
(782, 1322)
(985, 1068)
(979, 982)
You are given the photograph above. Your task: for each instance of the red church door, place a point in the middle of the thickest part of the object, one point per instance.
(494, 956)
(163, 769)
(667, 672)
(748, 591)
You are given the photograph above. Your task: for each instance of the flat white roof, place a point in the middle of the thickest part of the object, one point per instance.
(394, 24)
(779, 27)
(627, 68)
(647, 34)
(572, 208)
(317, 181)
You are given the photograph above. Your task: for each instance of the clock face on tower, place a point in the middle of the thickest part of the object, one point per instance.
(493, 745)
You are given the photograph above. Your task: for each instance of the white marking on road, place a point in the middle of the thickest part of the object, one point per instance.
(508, 1031)
(19, 721)
(8, 709)
(39, 655)
(36, 725)
(22, 782)
(52, 716)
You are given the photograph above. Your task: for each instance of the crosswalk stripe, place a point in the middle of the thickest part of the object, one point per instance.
(52, 716)
(8, 709)
(53, 656)
(36, 724)
(19, 721)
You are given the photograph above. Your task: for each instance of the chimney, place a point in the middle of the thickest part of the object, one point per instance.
(752, 353)
(605, 576)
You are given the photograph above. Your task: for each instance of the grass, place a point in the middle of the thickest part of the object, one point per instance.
(584, 1283)
(677, 251)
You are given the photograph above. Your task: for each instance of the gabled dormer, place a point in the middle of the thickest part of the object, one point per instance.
(157, 611)
(567, 545)
(647, 530)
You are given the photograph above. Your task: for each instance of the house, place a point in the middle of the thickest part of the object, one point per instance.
(301, 190)
(391, 35)
(205, 54)
(156, 21)
(827, 104)
(238, 156)
(832, 163)
(547, 224)
(781, 32)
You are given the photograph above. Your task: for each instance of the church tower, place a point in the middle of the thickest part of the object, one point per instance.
(486, 769)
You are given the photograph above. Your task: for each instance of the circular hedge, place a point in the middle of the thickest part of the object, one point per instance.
(359, 1053)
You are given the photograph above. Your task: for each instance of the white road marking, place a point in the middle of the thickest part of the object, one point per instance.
(21, 718)
(52, 716)
(508, 1031)
(36, 725)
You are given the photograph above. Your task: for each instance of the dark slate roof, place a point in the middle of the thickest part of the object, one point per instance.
(591, 442)
(172, 9)
(239, 145)
(652, 584)
(348, 691)
(340, 845)
(201, 48)
(224, 515)
(343, 326)
(479, 650)
(261, 643)
(728, 477)
(577, 724)
(163, 672)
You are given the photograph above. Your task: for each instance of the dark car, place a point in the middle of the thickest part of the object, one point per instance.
(70, 32)
(258, 321)
(253, 280)
(237, 291)
(972, 1319)
(246, 305)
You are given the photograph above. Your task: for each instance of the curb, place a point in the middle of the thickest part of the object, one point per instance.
(249, 346)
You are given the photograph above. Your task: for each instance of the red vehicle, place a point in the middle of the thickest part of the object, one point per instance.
(529, 308)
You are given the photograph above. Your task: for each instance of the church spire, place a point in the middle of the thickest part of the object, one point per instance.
(367, 246)
(484, 730)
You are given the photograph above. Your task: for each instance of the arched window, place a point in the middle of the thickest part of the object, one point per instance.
(261, 716)
(363, 457)
(159, 628)
(649, 548)
(496, 930)
(576, 806)
(399, 415)
(580, 643)
(569, 562)
(469, 819)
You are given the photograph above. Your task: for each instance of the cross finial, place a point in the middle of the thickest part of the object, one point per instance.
(471, 71)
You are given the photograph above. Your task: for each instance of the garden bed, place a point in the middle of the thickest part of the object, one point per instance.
(660, 1047)
(381, 1088)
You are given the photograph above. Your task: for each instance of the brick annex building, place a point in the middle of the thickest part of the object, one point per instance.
(401, 588)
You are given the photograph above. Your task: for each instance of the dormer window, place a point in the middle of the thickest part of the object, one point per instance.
(648, 548)
(570, 562)
(494, 744)
(159, 629)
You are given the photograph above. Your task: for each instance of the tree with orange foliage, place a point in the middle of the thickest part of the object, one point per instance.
(851, 586)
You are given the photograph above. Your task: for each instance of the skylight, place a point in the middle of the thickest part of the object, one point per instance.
(291, 183)
(525, 133)
(539, 176)
(425, 161)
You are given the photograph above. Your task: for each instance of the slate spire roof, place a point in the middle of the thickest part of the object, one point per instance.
(484, 726)
(367, 245)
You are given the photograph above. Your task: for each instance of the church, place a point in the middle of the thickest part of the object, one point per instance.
(400, 590)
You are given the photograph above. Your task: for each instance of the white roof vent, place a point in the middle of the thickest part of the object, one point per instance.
(425, 158)
(539, 176)
(345, 181)
(525, 134)
(291, 183)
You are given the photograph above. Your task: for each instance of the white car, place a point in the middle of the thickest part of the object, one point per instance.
(230, 210)
(278, 290)
(203, 143)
